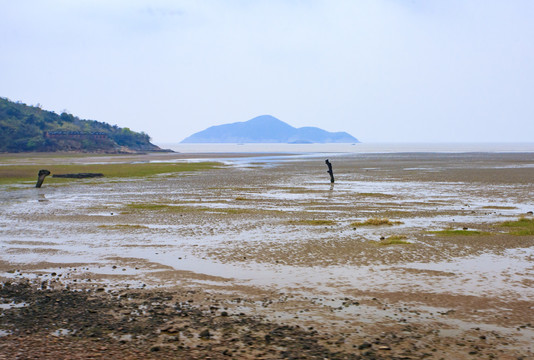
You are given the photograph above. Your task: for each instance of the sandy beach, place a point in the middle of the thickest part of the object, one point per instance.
(405, 256)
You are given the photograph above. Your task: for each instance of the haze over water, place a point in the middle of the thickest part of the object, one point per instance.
(350, 148)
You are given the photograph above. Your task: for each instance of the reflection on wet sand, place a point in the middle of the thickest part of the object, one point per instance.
(284, 229)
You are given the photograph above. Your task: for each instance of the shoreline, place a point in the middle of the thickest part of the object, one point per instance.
(359, 148)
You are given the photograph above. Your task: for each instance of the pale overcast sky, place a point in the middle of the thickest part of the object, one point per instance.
(382, 70)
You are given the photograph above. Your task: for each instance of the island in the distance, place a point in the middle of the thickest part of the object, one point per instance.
(267, 129)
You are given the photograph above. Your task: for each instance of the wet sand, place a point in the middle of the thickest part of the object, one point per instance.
(281, 252)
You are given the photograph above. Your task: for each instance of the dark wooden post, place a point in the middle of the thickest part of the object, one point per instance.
(330, 170)
(41, 176)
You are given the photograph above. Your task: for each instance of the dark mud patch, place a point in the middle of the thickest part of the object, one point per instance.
(142, 324)
(49, 323)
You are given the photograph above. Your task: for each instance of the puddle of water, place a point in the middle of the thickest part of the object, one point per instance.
(12, 305)
(459, 326)
(123, 338)
(103, 214)
(62, 332)
(514, 260)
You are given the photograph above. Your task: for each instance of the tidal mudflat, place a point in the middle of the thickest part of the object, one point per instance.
(406, 256)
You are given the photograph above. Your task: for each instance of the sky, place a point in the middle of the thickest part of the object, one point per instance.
(382, 70)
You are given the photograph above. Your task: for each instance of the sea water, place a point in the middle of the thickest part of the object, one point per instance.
(362, 148)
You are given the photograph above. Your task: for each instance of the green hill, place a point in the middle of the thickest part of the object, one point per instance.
(26, 128)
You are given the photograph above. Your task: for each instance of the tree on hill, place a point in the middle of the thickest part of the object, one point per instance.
(29, 128)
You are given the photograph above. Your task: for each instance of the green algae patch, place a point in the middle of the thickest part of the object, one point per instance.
(457, 232)
(521, 227)
(375, 222)
(193, 209)
(313, 222)
(19, 173)
(394, 240)
(149, 206)
(233, 211)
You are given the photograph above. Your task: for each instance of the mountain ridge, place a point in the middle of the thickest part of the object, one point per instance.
(267, 129)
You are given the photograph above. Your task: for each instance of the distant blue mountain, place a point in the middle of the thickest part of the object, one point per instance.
(267, 129)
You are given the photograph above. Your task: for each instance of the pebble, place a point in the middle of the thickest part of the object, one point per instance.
(205, 334)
